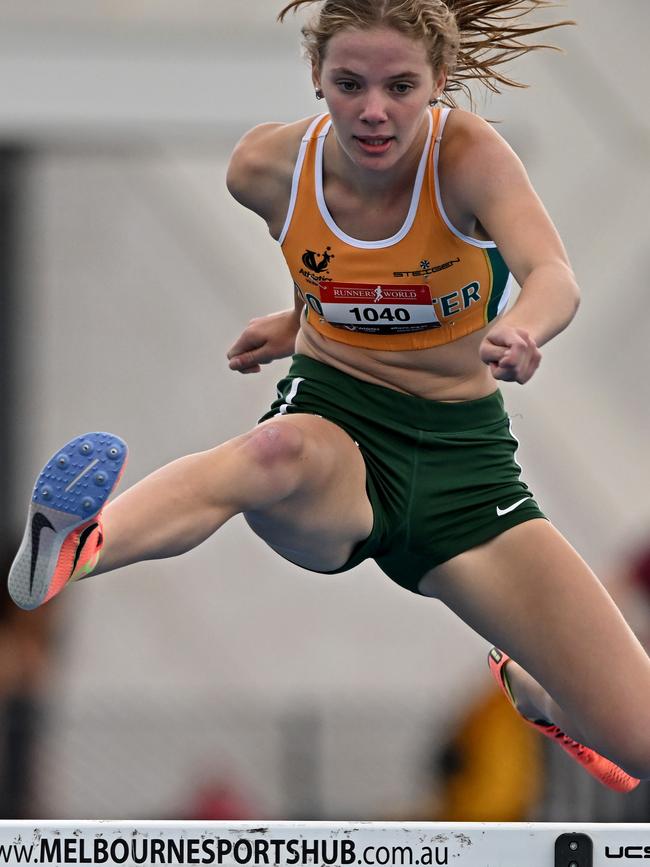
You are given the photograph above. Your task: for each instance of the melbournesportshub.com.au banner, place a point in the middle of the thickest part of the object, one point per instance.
(333, 844)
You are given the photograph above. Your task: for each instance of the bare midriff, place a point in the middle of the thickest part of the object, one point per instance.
(452, 372)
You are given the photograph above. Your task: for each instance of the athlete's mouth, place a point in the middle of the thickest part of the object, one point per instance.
(374, 140)
(374, 144)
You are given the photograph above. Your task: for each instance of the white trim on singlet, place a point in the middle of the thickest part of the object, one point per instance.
(293, 391)
(296, 176)
(444, 114)
(507, 289)
(410, 217)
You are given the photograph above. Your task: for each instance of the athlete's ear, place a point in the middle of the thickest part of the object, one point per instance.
(440, 82)
(315, 77)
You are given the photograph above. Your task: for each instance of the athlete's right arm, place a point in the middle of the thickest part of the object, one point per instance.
(259, 177)
(260, 171)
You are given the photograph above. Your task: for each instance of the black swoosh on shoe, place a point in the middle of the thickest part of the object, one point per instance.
(39, 523)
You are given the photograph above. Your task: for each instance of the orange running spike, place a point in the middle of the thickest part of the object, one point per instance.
(605, 771)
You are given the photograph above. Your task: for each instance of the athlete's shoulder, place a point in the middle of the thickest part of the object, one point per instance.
(467, 136)
(261, 167)
(475, 157)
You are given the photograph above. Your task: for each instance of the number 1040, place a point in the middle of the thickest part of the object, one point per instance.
(372, 314)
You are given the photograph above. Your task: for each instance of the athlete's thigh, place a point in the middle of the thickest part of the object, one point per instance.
(531, 594)
(319, 524)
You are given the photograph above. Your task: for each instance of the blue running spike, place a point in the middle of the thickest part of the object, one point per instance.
(71, 490)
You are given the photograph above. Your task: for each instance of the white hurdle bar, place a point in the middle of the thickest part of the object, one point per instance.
(322, 844)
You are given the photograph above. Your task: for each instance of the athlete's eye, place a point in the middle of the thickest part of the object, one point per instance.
(402, 87)
(347, 85)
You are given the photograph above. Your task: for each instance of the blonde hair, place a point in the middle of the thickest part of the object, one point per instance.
(467, 38)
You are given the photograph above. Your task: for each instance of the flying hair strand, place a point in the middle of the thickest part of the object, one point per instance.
(471, 39)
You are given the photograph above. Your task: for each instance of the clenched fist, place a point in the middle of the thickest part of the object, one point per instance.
(264, 340)
(510, 353)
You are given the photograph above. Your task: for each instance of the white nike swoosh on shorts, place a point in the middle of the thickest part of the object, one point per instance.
(501, 512)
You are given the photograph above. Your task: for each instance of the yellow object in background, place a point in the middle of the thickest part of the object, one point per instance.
(494, 766)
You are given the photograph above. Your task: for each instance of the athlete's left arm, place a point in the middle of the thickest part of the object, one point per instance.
(495, 188)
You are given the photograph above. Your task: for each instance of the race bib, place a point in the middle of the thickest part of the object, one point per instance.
(374, 308)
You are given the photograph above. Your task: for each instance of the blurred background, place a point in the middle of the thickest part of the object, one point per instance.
(228, 683)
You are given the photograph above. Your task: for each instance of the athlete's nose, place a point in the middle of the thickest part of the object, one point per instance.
(374, 111)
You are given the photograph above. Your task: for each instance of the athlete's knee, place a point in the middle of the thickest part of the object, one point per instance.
(277, 449)
(276, 442)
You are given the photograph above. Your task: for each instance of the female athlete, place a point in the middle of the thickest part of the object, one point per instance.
(401, 219)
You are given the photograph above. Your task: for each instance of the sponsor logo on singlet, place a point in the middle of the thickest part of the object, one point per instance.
(317, 262)
(375, 308)
(316, 265)
(426, 268)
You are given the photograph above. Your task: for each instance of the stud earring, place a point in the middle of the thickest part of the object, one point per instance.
(433, 102)
(319, 94)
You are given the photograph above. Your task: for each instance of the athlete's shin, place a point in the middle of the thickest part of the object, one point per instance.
(167, 513)
(179, 506)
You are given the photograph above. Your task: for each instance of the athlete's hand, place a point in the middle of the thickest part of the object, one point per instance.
(264, 340)
(510, 353)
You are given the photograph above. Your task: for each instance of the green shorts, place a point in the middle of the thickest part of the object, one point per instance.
(441, 477)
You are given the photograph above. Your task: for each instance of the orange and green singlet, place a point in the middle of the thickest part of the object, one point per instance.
(427, 285)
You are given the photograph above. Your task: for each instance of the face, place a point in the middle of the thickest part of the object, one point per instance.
(378, 84)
